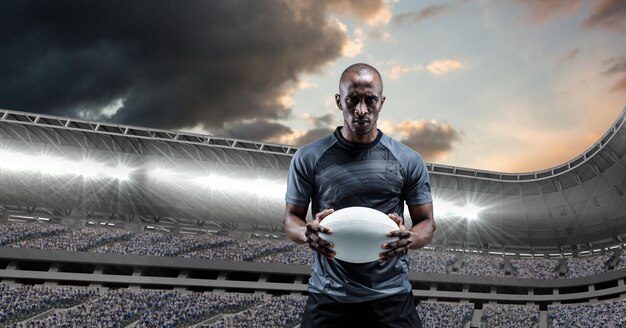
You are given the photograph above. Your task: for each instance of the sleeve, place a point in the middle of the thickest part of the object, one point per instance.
(300, 180)
(417, 187)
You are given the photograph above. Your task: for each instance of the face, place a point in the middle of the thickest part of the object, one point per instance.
(360, 99)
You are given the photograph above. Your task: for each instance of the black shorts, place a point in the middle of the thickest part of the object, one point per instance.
(393, 311)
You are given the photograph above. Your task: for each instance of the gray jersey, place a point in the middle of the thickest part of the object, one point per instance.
(335, 173)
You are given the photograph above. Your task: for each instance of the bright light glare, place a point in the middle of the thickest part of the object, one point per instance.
(470, 211)
(444, 209)
(261, 187)
(162, 174)
(119, 172)
(58, 166)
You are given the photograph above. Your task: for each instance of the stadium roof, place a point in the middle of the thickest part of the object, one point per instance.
(576, 205)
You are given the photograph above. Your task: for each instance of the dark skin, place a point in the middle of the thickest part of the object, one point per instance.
(360, 99)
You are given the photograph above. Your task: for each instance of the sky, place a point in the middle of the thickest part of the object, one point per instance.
(508, 86)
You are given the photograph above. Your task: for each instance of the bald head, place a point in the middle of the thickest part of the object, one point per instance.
(360, 69)
(361, 99)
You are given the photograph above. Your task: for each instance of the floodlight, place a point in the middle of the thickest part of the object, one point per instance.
(470, 211)
(87, 168)
(161, 174)
(119, 172)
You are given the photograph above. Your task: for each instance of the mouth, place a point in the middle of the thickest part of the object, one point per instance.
(361, 122)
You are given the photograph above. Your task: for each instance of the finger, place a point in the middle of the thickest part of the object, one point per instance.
(328, 253)
(314, 228)
(315, 241)
(402, 243)
(399, 233)
(396, 218)
(322, 214)
(384, 256)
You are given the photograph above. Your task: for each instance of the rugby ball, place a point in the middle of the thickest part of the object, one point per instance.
(358, 233)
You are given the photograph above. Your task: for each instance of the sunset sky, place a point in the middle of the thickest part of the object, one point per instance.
(513, 86)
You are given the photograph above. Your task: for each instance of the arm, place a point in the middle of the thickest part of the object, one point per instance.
(419, 235)
(424, 225)
(298, 230)
(294, 222)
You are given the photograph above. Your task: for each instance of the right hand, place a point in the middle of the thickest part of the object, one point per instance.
(313, 238)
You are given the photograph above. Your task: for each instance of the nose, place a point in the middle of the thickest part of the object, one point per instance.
(361, 108)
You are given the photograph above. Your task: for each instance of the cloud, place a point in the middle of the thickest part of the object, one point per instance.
(542, 10)
(432, 139)
(256, 129)
(608, 14)
(286, 99)
(324, 120)
(374, 12)
(352, 47)
(569, 55)
(619, 86)
(398, 70)
(377, 34)
(417, 17)
(444, 66)
(617, 66)
(212, 63)
(311, 135)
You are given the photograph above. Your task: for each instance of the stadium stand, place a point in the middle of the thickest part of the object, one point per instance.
(587, 266)
(482, 265)
(442, 314)
(535, 268)
(610, 314)
(510, 315)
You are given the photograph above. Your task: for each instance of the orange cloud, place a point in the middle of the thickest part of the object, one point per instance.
(399, 70)
(542, 10)
(619, 86)
(608, 14)
(443, 66)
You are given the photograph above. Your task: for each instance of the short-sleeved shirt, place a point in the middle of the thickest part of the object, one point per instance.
(335, 173)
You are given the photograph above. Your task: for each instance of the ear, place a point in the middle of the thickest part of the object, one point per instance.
(338, 101)
(382, 102)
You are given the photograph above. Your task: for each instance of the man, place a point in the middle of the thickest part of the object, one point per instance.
(359, 166)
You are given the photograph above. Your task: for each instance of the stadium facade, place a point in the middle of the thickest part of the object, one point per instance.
(574, 206)
(177, 182)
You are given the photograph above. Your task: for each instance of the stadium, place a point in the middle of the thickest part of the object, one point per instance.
(138, 227)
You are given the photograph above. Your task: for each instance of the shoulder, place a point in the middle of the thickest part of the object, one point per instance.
(403, 153)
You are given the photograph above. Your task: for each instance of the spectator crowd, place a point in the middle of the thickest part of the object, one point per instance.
(216, 247)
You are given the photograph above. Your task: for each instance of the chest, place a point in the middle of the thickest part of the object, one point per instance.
(368, 172)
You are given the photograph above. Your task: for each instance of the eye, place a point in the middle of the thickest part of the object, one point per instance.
(371, 100)
(351, 100)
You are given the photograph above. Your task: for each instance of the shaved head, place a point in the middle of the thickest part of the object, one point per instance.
(361, 69)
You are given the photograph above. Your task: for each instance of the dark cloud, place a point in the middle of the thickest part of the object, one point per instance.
(431, 139)
(312, 135)
(323, 120)
(542, 10)
(609, 14)
(616, 65)
(257, 129)
(418, 16)
(173, 63)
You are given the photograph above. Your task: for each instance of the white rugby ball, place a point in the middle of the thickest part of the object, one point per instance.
(358, 233)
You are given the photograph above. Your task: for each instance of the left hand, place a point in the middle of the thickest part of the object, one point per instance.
(400, 246)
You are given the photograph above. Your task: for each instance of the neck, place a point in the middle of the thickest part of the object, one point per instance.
(359, 138)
